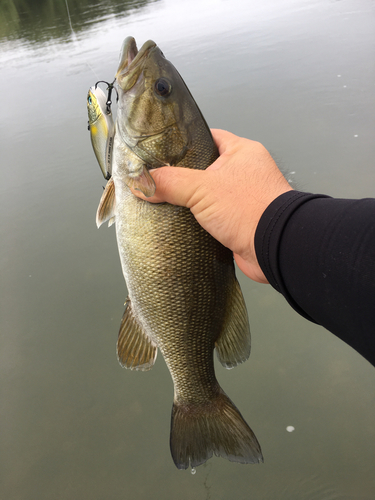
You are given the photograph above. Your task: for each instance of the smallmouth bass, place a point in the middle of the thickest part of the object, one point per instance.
(184, 298)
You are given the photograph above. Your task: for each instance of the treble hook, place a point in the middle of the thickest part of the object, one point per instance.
(110, 88)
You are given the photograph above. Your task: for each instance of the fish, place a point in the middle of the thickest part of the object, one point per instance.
(102, 129)
(184, 299)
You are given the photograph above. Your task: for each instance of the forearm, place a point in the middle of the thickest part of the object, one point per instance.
(319, 252)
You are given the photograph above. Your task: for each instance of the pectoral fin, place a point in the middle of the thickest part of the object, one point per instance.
(106, 208)
(135, 350)
(143, 182)
(234, 341)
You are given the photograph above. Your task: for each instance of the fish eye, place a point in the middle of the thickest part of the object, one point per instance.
(163, 87)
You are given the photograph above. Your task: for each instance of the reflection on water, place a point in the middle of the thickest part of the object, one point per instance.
(294, 75)
(38, 21)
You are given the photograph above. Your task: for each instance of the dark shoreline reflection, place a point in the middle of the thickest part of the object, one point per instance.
(39, 21)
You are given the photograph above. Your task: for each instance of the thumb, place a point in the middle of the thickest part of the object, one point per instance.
(175, 185)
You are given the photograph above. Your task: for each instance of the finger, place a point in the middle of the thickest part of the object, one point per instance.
(174, 185)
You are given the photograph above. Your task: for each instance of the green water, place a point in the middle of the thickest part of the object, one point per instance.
(297, 76)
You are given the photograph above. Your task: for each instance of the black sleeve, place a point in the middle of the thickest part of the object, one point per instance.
(319, 252)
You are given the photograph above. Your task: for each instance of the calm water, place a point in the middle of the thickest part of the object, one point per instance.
(297, 75)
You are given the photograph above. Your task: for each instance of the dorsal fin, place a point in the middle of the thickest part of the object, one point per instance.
(106, 208)
(234, 341)
(135, 349)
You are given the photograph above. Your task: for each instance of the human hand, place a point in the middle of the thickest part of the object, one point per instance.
(229, 197)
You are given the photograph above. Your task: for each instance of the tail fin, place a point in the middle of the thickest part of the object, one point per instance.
(198, 431)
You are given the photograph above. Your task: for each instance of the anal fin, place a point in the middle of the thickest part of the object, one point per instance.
(135, 349)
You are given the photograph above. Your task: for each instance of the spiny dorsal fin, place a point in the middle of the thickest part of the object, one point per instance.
(135, 350)
(234, 341)
(106, 208)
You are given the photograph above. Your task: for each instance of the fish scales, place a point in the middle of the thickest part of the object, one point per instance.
(185, 285)
(184, 298)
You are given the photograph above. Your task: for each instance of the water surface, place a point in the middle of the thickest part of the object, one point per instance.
(296, 75)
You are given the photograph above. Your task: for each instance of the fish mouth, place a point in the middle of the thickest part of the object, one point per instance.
(131, 61)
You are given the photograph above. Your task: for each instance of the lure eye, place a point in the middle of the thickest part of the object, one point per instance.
(89, 100)
(163, 87)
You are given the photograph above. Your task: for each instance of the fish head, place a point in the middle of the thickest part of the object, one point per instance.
(155, 108)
